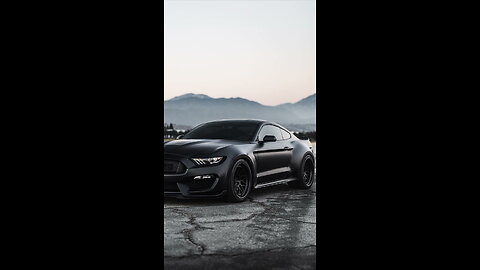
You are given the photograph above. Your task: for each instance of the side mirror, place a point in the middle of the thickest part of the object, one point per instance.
(269, 138)
(179, 137)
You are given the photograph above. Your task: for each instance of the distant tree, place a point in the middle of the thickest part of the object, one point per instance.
(312, 135)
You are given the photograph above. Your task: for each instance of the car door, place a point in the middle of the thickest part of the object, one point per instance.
(273, 158)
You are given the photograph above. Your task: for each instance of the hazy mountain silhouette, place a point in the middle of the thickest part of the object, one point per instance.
(193, 109)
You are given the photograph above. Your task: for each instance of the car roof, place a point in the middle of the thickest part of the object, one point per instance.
(256, 121)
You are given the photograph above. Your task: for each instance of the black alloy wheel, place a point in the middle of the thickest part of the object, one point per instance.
(240, 181)
(306, 175)
(308, 172)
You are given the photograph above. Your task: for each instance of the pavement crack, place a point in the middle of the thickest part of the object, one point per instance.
(188, 233)
(250, 217)
(296, 220)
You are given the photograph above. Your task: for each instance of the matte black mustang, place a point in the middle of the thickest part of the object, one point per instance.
(231, 157)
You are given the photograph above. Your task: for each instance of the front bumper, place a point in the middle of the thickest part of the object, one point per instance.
(185, 186)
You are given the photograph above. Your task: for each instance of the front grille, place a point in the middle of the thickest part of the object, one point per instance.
(173, 167)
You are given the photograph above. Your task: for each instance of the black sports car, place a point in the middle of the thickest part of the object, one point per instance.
(231, 157)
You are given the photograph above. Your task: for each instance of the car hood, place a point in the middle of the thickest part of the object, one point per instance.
(196, 148)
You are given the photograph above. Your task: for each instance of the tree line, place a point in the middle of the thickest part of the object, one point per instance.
(169, 131)
(310, 135)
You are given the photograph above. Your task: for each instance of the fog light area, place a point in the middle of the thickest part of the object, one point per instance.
(207, 176)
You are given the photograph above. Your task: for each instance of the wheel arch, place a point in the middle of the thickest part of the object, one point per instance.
(251, 163)
(297, 164)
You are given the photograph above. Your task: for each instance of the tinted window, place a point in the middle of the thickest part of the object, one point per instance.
(285, 134)
(270, 130)
(237, 131)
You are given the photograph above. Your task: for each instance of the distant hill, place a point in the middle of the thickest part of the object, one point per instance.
(193, 109)
(190, 95)
(305, 108)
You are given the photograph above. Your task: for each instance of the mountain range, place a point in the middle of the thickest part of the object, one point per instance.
(192, 109)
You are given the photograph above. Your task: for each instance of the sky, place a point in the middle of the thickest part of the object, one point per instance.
(262, 50)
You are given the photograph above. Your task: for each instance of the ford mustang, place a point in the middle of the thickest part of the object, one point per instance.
(230, 158)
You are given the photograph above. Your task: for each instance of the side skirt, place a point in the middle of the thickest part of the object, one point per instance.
(283, 181)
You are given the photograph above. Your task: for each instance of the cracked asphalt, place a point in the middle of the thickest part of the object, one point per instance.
(274, 229)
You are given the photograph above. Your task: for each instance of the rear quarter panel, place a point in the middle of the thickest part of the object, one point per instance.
(300, 149)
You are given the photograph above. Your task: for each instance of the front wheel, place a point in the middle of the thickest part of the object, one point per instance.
(240, 181)
(306, 175)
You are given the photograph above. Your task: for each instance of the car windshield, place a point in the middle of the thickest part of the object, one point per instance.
(237, 131)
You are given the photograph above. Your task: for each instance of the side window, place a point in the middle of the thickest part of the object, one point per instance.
(285, 134)
(278, 133)
(270, 130)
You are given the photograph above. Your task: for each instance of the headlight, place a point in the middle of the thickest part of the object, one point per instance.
(207, 161)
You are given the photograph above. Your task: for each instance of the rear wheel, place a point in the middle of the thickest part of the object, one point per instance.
(240, 181)
(306, 175)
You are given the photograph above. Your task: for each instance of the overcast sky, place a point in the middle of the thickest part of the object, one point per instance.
(259, 50)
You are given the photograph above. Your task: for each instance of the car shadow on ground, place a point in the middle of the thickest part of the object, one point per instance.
(277, 190)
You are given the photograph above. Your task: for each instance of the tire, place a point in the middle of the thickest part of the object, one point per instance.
(239, 182)
(306, 175)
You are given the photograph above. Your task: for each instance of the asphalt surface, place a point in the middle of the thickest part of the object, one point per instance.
(274, 229)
